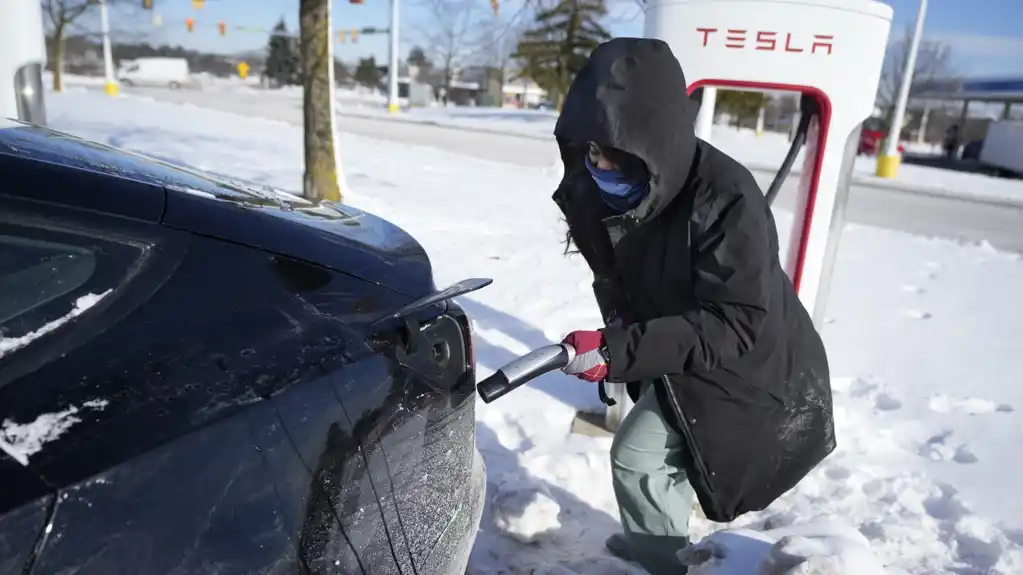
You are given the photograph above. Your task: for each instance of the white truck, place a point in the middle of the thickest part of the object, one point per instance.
(155, 73)
(1002, 150)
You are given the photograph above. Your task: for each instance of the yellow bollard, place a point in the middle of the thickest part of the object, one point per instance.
(112, 88)
(888, 166)
(393, 108)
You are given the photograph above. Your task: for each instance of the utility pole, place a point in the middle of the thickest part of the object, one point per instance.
(888, 160)
(495, 6)
(392, 76)
(108, 56)
(921, 135)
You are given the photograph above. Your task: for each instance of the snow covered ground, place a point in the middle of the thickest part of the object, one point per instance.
(923, 343)
(766, 151)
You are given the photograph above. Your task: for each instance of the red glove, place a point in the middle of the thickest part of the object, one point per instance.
(589, 364)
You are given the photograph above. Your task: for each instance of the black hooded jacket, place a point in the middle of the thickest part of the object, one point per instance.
(695, 268)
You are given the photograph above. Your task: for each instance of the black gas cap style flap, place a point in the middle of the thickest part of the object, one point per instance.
(405, 313)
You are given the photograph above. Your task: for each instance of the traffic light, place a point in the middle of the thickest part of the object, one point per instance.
(198, 4)
(223, 28)
(355, 1)
(147, 4)
(355, 36)
(190, 23)
(342, 36)
(494, 6)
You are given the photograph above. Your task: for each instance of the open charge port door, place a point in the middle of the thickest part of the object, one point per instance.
(434, 345)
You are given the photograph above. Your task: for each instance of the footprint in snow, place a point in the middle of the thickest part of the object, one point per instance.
(940, 448)
(916, 314)
(932, 270)
(837, 473)
(875, 392)
(943, 403)
(913, 289)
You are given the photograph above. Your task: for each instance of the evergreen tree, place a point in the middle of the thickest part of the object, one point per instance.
(342, 74)
(555, 49)
(282, 58)
(368, 73)
(417, 57)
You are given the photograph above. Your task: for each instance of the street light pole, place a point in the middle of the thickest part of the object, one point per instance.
(499, 35)
(108, 57)
(888, 160)
(392, 76)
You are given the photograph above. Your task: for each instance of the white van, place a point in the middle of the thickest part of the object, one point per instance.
(1002, 150)
(155, 72)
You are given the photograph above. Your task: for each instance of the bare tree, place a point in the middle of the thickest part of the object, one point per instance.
(451, 36)
(62, 15)
(497, 44)
(129, 22)
(321, 169)
(933, 70)
(73, 18)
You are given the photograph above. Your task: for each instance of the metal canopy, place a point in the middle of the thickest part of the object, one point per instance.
(1006, 90)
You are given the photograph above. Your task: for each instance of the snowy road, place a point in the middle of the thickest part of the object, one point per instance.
(903, 210)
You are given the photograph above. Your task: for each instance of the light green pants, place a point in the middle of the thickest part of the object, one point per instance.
(654, 498)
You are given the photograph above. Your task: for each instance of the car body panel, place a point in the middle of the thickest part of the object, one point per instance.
(204, 503)
(340, 237)
(25, 505)
(20, 530)
(244, 417)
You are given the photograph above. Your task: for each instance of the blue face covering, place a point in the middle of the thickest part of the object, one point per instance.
(618, 191)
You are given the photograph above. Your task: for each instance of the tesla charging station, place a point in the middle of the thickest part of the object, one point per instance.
(22, 59)
(831, 53)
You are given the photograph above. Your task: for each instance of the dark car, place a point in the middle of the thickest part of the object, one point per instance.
(203, 376)
(971, 151)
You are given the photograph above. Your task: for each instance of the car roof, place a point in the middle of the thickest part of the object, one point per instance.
(37, 156)
(49, 166)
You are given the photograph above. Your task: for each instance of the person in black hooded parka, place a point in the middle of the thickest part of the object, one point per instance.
(730, 378)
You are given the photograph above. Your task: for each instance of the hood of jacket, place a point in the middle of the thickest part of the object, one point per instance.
(632, 95)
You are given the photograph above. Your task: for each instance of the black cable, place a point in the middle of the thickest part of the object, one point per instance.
(808, 110)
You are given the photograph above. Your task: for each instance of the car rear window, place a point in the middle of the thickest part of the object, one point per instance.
(35, 272)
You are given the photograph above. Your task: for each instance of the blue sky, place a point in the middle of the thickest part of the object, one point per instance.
(985, 35)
